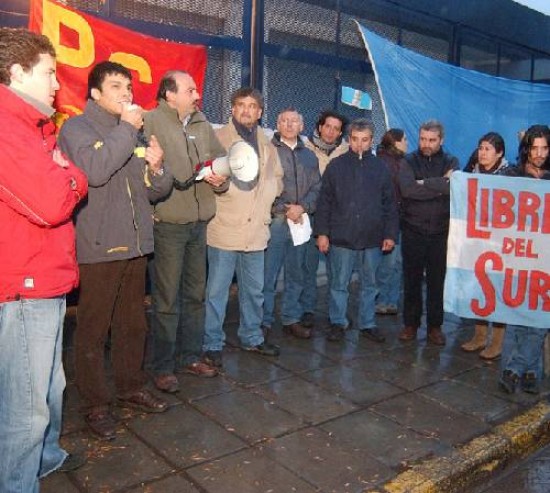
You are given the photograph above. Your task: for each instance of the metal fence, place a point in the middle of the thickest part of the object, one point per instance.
(300, 52)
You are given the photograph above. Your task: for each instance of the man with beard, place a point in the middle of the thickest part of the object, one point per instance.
(424, 186)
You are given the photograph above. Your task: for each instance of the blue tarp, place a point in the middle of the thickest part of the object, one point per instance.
(414, 88)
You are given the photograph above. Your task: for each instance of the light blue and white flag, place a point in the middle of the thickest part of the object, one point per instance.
(356, 98)
(498, 253)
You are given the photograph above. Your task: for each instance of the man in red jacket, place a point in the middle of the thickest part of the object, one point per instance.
(39, 189)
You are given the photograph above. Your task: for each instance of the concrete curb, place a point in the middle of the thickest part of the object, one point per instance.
(476, 459)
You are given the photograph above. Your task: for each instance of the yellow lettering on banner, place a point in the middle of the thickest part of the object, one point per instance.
(134, 62)
(53, 17)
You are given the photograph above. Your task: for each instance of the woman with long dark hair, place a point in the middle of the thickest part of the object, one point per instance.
(391, 150)
(488, 158)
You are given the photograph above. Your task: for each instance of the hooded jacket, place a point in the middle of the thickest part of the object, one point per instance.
(116, 222)
(37, 198)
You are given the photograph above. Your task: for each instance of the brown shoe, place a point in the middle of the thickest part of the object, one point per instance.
(436, 336)
(408, 333)
(200, 369)
(297, 330)
(143, 400)
(101, 424)
(308, 320)
(167, 383)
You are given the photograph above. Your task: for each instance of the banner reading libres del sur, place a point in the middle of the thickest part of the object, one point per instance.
(82, 40)
(498, 258)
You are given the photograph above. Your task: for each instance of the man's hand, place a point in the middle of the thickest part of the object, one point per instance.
(132, 114)
(154, 155)
(387, 245)
(294, 213)
(323, 243)
(215, 180)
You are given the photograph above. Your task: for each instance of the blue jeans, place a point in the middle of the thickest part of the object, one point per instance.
(178, 294)
(388, 277)
(526, 350)
(311, 266)
(31, 392)
(280, 249)
(342, 263)
(249, 267)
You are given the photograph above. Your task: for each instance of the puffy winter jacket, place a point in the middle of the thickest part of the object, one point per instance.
(37, 198)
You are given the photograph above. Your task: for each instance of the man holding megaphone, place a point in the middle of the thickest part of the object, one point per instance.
(238, 234)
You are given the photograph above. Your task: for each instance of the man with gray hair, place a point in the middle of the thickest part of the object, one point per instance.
(301, 185)
(356, 221)
(424, 187)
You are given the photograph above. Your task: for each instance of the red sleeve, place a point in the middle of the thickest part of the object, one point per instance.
(33, 184)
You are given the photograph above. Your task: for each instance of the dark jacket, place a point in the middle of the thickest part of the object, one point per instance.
(426, 206)
(37, 198)
(520, 171)
(184, 148)
(356, 207)
(302, 179)
(116, 222)
(393, 162)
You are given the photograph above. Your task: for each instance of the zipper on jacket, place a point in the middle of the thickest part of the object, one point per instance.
(187, 138)
(138, 241)
(295, 175)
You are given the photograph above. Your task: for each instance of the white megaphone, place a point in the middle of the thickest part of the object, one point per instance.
(241, 162)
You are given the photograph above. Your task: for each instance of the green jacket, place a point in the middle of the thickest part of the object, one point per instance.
(183, 149)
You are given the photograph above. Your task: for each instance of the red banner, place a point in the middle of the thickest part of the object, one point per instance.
(82, 40)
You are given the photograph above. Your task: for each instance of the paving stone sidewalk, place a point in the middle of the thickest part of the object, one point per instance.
(323, 417)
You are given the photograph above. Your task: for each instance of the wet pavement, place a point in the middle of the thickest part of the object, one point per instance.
(529, 476)
(323, 417)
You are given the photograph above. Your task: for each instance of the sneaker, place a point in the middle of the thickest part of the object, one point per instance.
(308, 320)
(391, 309)
(72, 462)
(213, 358)
(373, 334)
(200, 369)
(335, 333)
(508, 381)
(266, 349)
(267, 331)
(530, 383)
(381, 309)
(167, 383)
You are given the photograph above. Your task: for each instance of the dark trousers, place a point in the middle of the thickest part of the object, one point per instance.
(427, 254)
(111, 297)
(179, 285)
